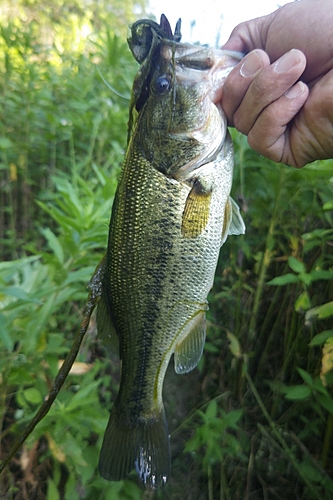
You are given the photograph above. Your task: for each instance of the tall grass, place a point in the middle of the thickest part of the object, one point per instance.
(254, 420)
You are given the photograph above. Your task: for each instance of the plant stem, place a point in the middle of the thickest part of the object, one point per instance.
(327, 439)
(280, 439)
(210, 482)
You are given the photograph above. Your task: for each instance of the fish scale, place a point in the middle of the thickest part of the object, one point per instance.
(171, 213)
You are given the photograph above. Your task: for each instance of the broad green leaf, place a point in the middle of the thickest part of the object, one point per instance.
(321, 337)
(311, 472)
(286, 279)
(5, 143)
(18, 293)
(321, 312)
(52, 490)
(326, 402)
(306, 278)
(232, 418)
(321, 275)
(328, 205)
(211, 410)
(305, 376)
(296, 265)
(297, 392)
(32, 395)
(303, 302)
(316, 233)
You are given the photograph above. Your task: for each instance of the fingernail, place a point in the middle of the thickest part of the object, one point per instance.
(295, 91)
(287, 61)
(251, 65)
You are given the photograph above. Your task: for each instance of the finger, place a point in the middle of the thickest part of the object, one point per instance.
(268, 85)
(269, 134)
(239, 80)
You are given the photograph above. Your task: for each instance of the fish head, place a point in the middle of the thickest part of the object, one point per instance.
(180, 125)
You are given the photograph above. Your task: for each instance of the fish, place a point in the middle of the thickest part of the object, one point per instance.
(171, 214)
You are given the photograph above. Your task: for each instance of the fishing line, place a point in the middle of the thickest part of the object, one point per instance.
(110, 86)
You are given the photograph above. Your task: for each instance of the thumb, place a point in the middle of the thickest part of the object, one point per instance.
(249, 35)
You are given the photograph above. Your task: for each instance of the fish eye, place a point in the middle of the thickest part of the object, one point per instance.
(161, 85)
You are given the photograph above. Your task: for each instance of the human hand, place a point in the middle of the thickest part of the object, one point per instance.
(286, 120)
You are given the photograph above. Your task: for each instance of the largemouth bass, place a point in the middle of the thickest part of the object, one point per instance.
(171, 214)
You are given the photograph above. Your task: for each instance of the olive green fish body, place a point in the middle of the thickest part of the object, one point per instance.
(171, 214)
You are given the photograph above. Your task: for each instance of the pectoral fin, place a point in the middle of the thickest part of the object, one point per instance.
(233, 221)
(189, 351)
(196, 211)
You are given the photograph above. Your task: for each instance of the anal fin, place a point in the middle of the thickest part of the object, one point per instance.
(189, 351)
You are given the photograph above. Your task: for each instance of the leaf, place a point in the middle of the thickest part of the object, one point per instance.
(286, 279)
(306, 278)
(5, 143)
(52, 490)
(320, 338)
(326, 402)
(305, 376)
(321, 312)
(316, 233)
(310, 472)
(211, 410)
(321, 275)
(296, 265)
(234, 345)
(32, 395)
(297, 392)
(18, 293)
(232, 418)
(302, 302)
(328, 205)
(53, 244)
(55, 449)
(4, 333)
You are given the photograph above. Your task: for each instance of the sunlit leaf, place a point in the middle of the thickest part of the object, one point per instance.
(32, 395)
(52, 490)
(320, 312)
(296, 265)
(234, 345)
(303, 302)
(320, 338)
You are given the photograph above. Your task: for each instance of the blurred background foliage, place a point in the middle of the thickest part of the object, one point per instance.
(255, 419)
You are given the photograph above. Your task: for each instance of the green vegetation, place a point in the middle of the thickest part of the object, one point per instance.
(255, 420)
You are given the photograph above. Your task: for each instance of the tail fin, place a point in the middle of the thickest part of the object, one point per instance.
(143, 445)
